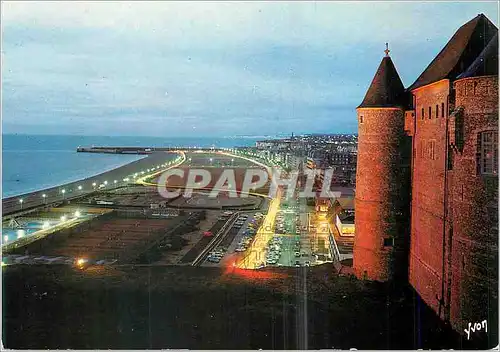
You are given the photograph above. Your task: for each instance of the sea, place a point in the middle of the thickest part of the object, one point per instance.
(34, 162)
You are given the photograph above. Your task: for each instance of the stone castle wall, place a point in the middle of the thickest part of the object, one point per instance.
(378, 192)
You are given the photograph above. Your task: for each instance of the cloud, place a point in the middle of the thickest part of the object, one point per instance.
(170, 68)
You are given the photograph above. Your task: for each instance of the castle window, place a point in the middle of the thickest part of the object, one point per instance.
(423, 113)
(388, 242)
(450, 159)
(430, 112)
(487, 153)
(361, 119)
(442, 109)
(437, 111)
(431, 150)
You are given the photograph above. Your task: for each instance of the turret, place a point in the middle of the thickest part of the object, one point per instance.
(382, 179)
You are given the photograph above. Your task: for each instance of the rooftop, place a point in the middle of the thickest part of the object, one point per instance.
(486, 63)
(459, 53)
(386, 89)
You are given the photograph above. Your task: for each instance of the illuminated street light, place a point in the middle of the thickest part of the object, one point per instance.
(21, 201)
(105, 182)
(77, 214)
(80, 188)
(94, 184)
(115, 181)
(44, 196)
(81, 261)
(63, 192)
(63, 218)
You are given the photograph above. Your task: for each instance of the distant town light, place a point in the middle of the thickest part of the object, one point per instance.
(115, 181)
(44, 195)
(105, 182)
(77, 214)
(79, 188)
(94, 184)
(20, 200)
(63, 191)
(63, 218)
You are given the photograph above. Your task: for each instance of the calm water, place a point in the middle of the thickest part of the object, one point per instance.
(31, 162)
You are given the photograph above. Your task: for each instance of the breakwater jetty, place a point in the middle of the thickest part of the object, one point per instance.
(138, 150)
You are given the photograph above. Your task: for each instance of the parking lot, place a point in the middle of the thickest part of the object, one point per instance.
(237, 240)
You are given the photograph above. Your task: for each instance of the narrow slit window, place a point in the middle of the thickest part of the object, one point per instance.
(389, 242)
(442, 109)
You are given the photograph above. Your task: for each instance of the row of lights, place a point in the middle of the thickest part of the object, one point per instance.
(105, 183)
(46, 225)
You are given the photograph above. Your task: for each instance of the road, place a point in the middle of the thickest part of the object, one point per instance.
(256, 254)
(72, 190)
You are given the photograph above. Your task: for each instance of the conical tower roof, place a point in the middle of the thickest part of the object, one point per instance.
(459, 53)
(486, 63)
(386, 89)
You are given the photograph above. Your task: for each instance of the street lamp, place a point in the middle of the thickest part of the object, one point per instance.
(21, 201)
(44, 196)
(115, 181)
(80, 188)
(63, 192)
(94, 184)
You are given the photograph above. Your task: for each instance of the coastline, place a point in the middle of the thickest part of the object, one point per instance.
(54, 194)
(70, 179)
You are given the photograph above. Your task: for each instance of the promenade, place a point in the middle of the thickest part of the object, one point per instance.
(85, 186)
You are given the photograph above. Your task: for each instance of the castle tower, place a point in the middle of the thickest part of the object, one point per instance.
(382, 179)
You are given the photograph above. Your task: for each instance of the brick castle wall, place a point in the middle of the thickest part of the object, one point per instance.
(429, 219)
(379, 186)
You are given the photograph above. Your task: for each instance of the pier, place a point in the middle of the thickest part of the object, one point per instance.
(140, 150)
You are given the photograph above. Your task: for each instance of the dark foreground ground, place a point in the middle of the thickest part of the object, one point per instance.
(208, 308)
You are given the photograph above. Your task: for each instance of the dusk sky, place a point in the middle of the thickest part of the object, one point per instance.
(209, 69)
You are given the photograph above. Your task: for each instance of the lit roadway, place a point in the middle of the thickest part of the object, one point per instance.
(257, 252)
(142, 180)
(116, 177)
